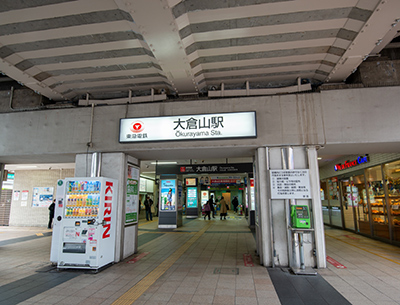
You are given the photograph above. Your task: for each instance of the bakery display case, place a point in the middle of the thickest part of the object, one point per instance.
(377, 201)
(366, 201)
(392, 178)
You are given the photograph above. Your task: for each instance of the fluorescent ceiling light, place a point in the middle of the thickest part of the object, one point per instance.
(26, 166)
(165, 162)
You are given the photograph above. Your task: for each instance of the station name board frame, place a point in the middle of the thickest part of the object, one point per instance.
(211, 126)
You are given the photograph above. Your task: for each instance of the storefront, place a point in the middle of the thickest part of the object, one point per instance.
(362, 194)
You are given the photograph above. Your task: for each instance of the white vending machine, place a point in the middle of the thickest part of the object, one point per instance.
(84, 223)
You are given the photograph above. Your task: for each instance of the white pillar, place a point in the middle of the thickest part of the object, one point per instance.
(263, 217)
(319, 233)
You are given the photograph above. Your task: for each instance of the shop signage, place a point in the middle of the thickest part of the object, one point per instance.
(349, 164)
(188, 127)
(225, 181)
(204, 168)
(290, 184)
(108, 198)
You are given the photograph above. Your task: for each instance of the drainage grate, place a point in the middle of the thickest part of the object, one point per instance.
(232, 271)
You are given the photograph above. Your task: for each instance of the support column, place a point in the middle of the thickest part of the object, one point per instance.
(114, 165)
(263, 218)
(319, 233)
(276, 244)
(1, 176)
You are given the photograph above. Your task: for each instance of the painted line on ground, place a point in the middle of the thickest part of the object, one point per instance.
(146, 223)
(136, 291)
(248, 260)
(137, 258)
(335, 263)
(351, 244)
(351, 237)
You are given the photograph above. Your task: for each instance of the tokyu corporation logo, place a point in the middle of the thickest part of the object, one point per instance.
(137, 126)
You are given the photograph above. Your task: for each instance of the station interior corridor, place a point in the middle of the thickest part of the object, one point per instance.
(203, 262)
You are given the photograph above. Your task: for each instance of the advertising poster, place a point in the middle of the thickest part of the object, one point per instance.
(168, 195)
(16, 195)
(191, 197)
(42, 197)
(132, 195)
(25, 195)
(204, 197)
(179, 199)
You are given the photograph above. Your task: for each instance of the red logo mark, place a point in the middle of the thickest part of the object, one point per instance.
(137, 126)
(183, 169)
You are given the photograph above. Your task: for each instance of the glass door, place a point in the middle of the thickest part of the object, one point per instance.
(334, 202)
(360, 203)
(349, 200)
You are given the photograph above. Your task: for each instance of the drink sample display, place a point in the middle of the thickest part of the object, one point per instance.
(82, 199)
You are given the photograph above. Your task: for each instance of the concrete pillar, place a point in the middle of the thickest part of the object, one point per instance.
(1, 176)
(319, 233)
(263, 218)
(278, 246)
(114, 165)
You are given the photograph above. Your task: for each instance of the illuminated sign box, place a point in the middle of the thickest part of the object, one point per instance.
(191, 181)
(188, 127)
(349, 164)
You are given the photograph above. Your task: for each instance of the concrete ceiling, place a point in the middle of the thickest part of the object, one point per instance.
(104, 49)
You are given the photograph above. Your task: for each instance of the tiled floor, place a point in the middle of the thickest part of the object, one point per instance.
(199, 263)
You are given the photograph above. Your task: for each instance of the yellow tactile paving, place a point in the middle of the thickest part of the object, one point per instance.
(136, 291)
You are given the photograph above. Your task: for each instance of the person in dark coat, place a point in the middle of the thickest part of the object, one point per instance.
(223, 210)
(211, 202)
(235, 203)
(148, 203)
(51, 214)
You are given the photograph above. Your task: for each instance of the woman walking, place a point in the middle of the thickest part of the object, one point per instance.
(223, 210)
(207, 210)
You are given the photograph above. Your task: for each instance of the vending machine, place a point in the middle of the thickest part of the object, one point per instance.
(85, 223)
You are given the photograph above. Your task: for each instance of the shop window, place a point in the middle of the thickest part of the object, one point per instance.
(377, 201)
(325, 203)
(334, 202)
(392, 180)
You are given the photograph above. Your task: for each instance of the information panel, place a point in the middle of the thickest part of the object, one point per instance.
(132, 195)
(191, 197)
(290, 184)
